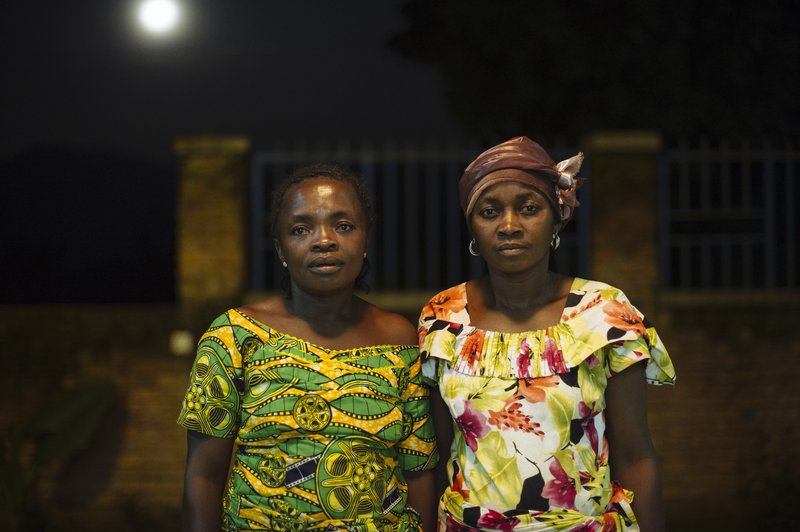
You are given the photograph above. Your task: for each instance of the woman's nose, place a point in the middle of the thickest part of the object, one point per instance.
(509, 223)
(326, 240)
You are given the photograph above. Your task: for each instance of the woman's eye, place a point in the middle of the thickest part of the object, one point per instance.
(530, 209)
(344, 227)
(488, 212)
(297, 231)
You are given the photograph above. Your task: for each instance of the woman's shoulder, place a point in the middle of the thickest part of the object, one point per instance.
(388, 327)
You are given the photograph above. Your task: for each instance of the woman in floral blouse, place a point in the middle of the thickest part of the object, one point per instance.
(542, 377)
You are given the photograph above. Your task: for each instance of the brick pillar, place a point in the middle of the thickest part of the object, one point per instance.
(624, 212)
(211, 220)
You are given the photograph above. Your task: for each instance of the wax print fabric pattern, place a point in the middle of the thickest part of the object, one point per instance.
(322, 436)
(529, 449)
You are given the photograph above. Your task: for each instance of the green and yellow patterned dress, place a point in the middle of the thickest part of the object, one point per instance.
(529, 451)
(322, 436)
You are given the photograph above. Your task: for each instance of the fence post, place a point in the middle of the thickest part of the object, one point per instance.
(211, 239)
(624, 212)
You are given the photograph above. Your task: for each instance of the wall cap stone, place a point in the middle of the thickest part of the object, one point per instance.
(623, 141)
(211, 145)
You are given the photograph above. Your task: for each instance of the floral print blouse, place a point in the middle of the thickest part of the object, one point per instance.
(529, 451)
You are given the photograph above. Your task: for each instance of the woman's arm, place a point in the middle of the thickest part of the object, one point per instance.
(421, 491)
(632, 456)
(425, 488)
(207, 462)
(444, 439)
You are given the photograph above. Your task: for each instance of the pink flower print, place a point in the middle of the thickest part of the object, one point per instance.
(587, 423)
(588, 526)
(524, 360)
(451, 525)
(473, 425)
(496, 521)
(561, 489)
(554, 357)
(592, 361)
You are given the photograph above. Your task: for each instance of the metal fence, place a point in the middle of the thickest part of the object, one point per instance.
(729, 220)
(420, 239)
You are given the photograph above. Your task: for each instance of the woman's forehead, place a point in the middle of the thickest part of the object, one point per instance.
(513, 189)
(321, 192)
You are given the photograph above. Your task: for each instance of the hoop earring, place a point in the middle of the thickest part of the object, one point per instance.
(555, 242)
(473, 248)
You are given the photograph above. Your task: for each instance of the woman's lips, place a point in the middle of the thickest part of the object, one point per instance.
(325, 265)
(510, 249)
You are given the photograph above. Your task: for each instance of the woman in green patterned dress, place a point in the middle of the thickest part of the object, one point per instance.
(320, 392)
(542, 416)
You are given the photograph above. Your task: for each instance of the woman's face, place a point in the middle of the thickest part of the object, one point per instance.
(513, 225)
(322, 235)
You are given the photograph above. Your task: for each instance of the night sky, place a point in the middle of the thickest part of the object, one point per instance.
(91, 107)
(83, 75)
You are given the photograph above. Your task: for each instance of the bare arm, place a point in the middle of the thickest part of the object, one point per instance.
(207, 462)
(444, 438)
(421, 491)
(632, 456)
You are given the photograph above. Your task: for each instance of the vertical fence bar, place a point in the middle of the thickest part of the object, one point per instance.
(391, 217)
(367, 166)
(433, 214)
(412, 216)
(256, 237)
(453, 224)
(664, 216)
(790, 196)
(769, 215)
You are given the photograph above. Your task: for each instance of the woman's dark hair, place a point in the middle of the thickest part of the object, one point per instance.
(325, 171)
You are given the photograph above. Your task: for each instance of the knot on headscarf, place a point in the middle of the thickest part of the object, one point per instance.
(557, 182)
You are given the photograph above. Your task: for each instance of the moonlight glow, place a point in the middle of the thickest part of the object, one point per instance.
(158, 16)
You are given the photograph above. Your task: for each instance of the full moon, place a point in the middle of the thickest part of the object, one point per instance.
(158, 16)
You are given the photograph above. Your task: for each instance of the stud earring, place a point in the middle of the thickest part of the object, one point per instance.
(473, 248)
(283, 261)
(555, 242)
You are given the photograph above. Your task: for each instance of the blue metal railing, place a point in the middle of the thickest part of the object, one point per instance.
(420, 238)
(728, 216)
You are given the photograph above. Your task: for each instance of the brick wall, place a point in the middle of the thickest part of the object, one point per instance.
(130, 475)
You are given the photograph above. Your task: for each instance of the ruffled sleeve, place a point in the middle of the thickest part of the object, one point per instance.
(211, 404)
(439, 328)
(611, 322)
(659, 369)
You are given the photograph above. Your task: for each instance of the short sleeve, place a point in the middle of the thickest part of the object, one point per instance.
(649, 348)
(417, 451)
(211, 404)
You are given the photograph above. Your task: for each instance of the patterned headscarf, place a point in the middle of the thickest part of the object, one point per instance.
(557, 182)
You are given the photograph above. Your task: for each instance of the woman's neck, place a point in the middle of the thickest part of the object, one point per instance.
(524, 291)
(328, 308)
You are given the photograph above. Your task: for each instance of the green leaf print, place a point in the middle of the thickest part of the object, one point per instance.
(560, 519)
(592, 382)
(485, 393)
(504, 487)
(561, 406)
